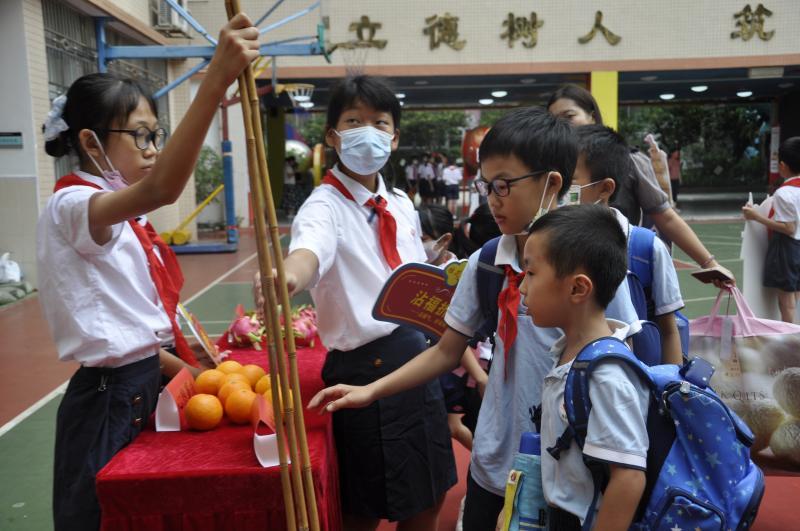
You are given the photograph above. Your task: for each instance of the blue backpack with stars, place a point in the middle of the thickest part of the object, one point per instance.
(699, 472)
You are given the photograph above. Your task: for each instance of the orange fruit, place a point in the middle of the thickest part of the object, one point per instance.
(236, 377)
(263, 385)
(209, 382)
(253, 373)
(229, 366)
(268, 395)
(203, 412)
(239, 404)
(227, 389)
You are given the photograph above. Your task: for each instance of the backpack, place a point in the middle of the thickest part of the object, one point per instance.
(640, 284)
(490, 280)
(699, 472)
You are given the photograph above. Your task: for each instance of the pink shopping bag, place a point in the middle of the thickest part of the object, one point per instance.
(757, 374)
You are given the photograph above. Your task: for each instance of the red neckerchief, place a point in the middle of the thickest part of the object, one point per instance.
(508, 303)
(165, 273)
(387, 226)
(794, 181)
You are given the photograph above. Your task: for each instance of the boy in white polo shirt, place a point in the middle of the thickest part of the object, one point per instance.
(603, 158)
(574, 259)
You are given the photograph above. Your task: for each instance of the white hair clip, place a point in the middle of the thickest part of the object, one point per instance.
(54, 125)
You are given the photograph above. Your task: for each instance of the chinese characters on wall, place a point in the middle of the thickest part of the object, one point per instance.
(443, 29)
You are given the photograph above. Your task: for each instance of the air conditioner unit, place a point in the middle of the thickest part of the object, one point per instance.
(169, 21)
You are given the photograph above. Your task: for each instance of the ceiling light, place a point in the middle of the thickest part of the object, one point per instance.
(500, 93)
(699, 88)
(400, 96)
(486, 101)
(420, 82)
(402, 104)
(785, 85)
(306, 104)
(667, 97)
(744, 93)
(648, 78)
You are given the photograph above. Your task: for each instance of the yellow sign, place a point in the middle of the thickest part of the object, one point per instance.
(522, 28)
(443, 29)
(751, 23)
(612, 39)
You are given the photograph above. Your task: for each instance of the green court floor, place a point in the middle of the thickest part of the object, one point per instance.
(26, 452)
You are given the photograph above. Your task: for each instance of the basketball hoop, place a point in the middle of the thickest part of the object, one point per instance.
(354, 55)
(300, 94)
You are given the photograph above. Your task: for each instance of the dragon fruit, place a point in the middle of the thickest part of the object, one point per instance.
(304, 325)
(246, 330)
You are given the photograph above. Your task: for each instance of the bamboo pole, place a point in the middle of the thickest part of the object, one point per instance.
(267, 286)
(264, 194)
(293, 379)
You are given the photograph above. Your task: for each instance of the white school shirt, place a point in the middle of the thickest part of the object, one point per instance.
(452, 175)
(617, 430)
(426, 172)
(510, 394)
(665, 288)
(786, 203)
(343, 235)
(99, 300)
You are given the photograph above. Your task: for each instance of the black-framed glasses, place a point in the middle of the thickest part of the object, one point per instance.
(144, 136)
(501, 187)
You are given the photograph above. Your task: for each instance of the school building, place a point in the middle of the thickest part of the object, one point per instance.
(439, 54)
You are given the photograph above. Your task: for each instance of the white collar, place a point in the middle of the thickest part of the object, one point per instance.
(619, 330)
(623, 222)
(94, 179)
(507, 252)
(359, 192)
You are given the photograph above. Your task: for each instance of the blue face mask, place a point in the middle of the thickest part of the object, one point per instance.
(365, 150)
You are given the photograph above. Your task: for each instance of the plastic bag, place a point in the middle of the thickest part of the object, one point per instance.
(9, 269)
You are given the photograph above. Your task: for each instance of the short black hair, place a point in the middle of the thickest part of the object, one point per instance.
(582, 98)
(369, 90)
(586, 237)
(789, 153)
(435, 220)
(605, 154)
(538, 139)
(97, 102)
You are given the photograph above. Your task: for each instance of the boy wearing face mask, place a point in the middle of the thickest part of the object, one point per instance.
(395, 457)
(603, 157)
(527, 160)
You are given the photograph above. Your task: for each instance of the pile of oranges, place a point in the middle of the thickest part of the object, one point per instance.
(231, 389)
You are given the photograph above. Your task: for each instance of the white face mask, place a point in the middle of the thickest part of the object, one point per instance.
(113, 177)
(433, 249)
(574, 193)
(365, 150)
(542, 209)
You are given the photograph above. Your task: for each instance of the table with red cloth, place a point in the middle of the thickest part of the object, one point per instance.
(212, 480)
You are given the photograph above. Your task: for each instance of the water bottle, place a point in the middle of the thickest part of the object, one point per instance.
(524, 499)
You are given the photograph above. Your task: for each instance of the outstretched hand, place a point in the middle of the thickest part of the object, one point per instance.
(341, 396)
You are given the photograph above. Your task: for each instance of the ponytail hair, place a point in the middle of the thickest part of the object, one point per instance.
(97, 102)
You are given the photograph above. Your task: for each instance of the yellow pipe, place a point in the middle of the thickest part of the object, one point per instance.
(200, 208)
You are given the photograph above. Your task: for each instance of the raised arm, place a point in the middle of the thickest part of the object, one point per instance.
(237, 47)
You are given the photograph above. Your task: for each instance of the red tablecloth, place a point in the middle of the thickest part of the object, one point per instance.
(212, 480)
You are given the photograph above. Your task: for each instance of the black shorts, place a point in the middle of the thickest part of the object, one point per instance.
(451, 191)
(425, 188)
(454, 389)
(395, 455)
(782, 263)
